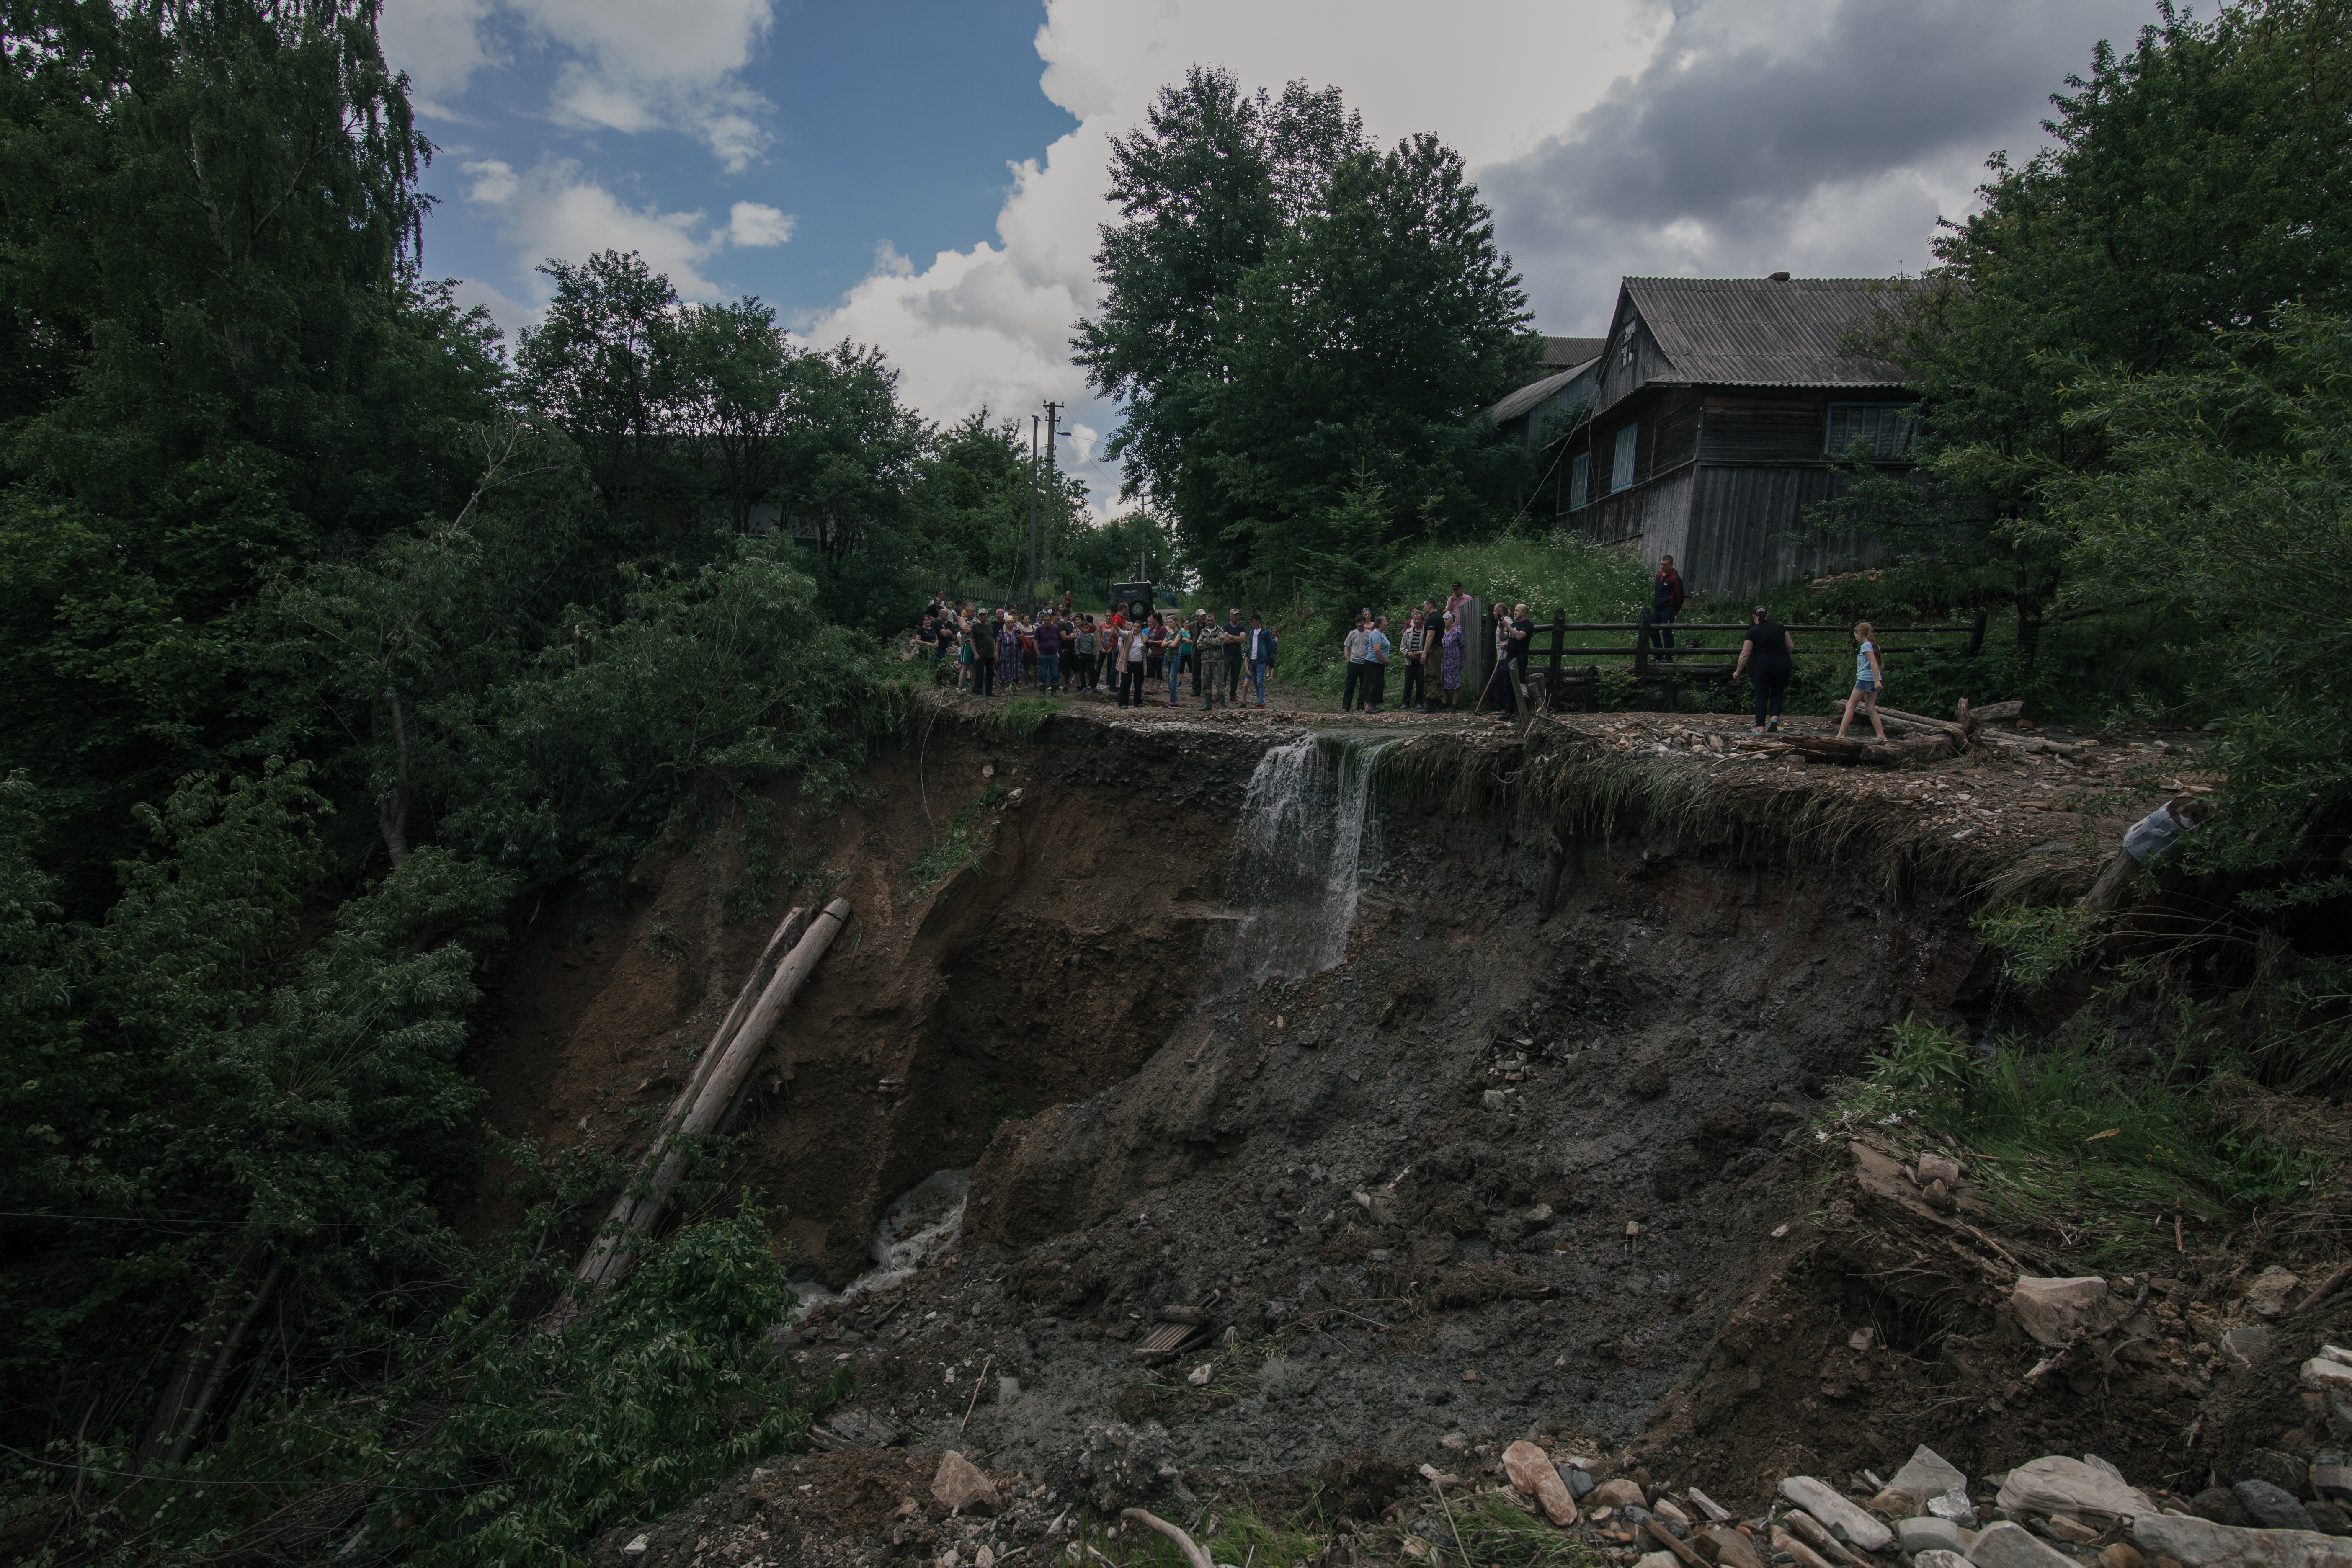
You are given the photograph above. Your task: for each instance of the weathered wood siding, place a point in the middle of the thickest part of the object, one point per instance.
(1764, 428)
(1745, 530)
(1653, 513)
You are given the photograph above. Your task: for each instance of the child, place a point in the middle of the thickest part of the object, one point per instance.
(1869, 677)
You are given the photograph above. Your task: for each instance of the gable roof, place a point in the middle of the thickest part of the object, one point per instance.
(1755, 331)
(1534, 392)
(1564, 354)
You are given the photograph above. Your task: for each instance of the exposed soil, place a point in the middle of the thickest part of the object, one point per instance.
(1508, 1169)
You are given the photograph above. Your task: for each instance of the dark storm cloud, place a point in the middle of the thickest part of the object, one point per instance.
(1824, 146)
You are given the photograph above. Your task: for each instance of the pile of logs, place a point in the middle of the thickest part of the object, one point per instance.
(1923, 740)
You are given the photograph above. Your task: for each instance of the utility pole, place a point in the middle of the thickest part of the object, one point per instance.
(1053, 472)
(1032, 514)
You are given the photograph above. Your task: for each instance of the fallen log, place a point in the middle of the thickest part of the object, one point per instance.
(1894, 753)
(609, 1257)
(1921, 721)
(2007, 712)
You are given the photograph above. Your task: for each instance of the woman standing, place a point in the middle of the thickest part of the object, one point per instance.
(1180, 649)
(1086, 652)
(1449, 660)
(1008, 654)
(1869, 678)
(1770, 644)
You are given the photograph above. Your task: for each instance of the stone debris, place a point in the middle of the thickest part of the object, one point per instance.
(2267, 1296)
(2202, 1543)
(1532, 1471)
(2008, 1545)
(1836, 1514)
(2088, 1492)
(1797, 1551)
(1926, 1475)
(2270, 1507)
(1936, 1558)
(959, 1484)
(2331, 1476)
(1930, 1534)
(2054, 1311)
(1618, 1493)
(1817, 1535)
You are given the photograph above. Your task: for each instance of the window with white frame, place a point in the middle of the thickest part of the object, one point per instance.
(1886, 429)
(1580, 480)
(1621, 470)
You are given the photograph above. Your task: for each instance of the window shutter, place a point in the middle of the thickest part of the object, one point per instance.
(1580, 480)
(1621, 472)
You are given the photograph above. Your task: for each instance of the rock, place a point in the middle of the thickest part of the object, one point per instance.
(1934, 1558)
(2267, 1295)
(2122, 1554)
(1647, 1081)
(2331, 1476)
(2246, 1344)
(1816, 1537)
(1936, 1168)
(1926, 1474)
(1824, 1504)
(2329, 1518)
(1657, 1560)
(1619, 1493)
(1733, 1550)
(1579, 1483)
(1797, 1551)
(1715, 1512)
(2269, 1506)
(2051, 1311)
(2067, 1528)
(959, 1484)
(636, 1547)
(1938, 1195)
(2202, 1543)
(1494, 1099)
(1929, 1534)
(1199, 1376)
(1669, 1513)
(2218, 1505)
(2324, 1373)
(2284, 1471)
(2056, 1484)
(2008, 1545)
(1531, 1470)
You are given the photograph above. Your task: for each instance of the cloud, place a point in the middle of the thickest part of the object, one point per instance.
(749, 222)
(494, 182)
(633, 67)
(1773, 135)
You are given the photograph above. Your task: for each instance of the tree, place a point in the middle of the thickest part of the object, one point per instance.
(1282, 303)
(724, 378)
(592, 365)
(2190, 192)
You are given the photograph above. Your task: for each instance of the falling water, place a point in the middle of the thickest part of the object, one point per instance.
(1307, 829)
(923, 1223)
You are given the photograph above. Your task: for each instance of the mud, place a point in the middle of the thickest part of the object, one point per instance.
(1541, 1157)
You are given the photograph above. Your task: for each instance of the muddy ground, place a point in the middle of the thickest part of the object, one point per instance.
(1525, 1163)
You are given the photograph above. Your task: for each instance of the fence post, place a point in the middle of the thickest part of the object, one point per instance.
(1592, 689)
(1558, 641)
(1642, 647)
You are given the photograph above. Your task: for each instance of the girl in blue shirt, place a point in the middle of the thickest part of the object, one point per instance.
(1869, 677)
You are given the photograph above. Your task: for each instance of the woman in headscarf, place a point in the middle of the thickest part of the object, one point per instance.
(1449, 660)
(1008, 654)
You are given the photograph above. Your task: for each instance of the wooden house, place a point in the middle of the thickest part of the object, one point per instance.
(1543, 410)
(1717, 411)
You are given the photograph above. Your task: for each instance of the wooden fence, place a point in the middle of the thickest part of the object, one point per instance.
(1562, 686)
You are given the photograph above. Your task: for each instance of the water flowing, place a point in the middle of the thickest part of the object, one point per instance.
(1308, 831)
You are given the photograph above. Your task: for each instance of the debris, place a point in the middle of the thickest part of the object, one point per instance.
(1195, 1556)
(1936, 1168)
(1531, 1470)
(1817, 1535)
(1578, 1480)
(2331, 1478)
(2200, 1543)
(1732, 1550)
(1199, 1376)
(959, 1484)
(1937, 1558)
(2270, 1507)
(2007, 1544)
(637, 1548)
(2056, 1484)
(1835, 1513)
(2053, 1311)
(1930, 1534)
(1618, 1493)
(1804, 1556)
(2266, 1297)
(2246, 1343)
(2067, 1528)
(2122, 1554)
(1709, 1507)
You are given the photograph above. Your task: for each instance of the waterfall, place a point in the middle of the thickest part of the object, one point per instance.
(1307, 831)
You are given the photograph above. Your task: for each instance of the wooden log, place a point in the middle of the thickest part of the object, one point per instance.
(2007, 712)
(2113, 884)
(1940, 726)
(612, 1253)
(1817, 1535)
(1666, 1538)
(1709, 1507)
(1894, 753)
(1805, 1556)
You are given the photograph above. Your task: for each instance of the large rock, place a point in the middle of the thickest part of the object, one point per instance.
(2009, 1544)
(2331, 1478)
(2053, 1311)
(2324, 1371)
(1619, 1493)
(1824, 1504)
(1932, 1558)
(1926, 1474)
(2202, 1543)
(2284, 1471)
(960, 1487)
(2056, 1484)
(1531, 1470)
(2268, 1294)
(2272, 1506)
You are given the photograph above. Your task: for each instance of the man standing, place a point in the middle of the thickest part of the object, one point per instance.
(1358, 646)
(1665, 603)
(1237, 654)
(1048, 636)
(1414, 648)
(1523, 631)
(1456, 603)
(1262, 651)
(1377, 649)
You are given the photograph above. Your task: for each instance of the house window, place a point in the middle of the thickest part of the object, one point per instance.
(1888, 429)
(1580, 480)
(1621, 472)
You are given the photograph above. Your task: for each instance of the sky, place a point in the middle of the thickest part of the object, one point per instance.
(927, 176)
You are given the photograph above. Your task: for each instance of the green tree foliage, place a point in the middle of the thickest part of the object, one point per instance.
(1295, 322)
(2185, 196)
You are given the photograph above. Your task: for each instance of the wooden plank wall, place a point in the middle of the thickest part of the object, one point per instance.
(1764, 428)
(1745, 530)
(1652, 513)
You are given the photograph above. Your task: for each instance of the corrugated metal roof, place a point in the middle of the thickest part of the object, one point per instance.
(1754, 332)
(1527, 397)
(1559, 354)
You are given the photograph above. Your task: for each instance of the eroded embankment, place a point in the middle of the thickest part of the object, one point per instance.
(1513, 1166)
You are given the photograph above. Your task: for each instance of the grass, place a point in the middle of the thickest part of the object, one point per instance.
(1017, 718)
(1240, 1535)
(2060, 1143)
(967, 836)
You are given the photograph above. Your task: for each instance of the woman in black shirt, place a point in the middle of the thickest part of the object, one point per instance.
(1769, 645)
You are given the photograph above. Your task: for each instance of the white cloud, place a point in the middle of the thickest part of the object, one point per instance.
(494, 182)
(750, 223)
(634, 66)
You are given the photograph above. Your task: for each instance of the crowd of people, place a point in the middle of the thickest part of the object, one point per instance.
(1138, 658)
(1149, 656)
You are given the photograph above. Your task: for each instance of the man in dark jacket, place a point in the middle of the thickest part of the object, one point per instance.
(1665, 603)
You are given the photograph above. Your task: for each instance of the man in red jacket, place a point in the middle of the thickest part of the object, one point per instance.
(1665, 603)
